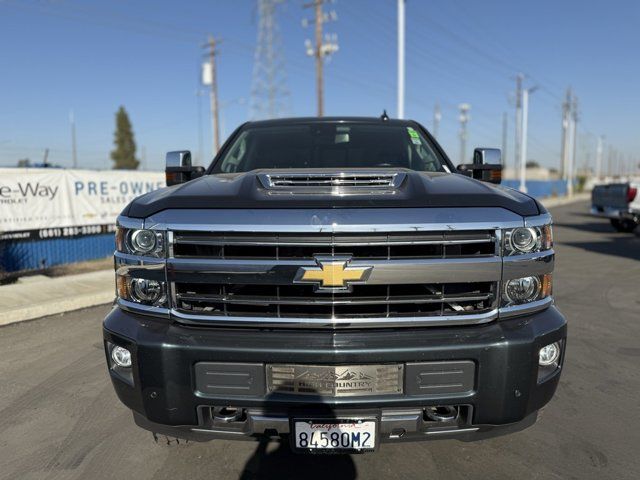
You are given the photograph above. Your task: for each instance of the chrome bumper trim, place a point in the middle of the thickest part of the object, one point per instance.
(515, 310)
(615, 213)
(518, 266)
(384, 272)
(338, 323)
(360, 220)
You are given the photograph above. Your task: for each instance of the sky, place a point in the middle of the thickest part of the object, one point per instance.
(90, 57)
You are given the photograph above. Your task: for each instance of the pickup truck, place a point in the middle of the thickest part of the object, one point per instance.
(335, 283)
(619, 202)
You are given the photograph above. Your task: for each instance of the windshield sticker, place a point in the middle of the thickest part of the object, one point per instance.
(415, 138)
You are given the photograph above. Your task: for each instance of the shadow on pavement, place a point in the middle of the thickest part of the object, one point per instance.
(626, 245)
(594, 227)
(284, 463)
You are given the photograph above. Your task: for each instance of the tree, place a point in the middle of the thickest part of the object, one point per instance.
(124, 153)
(532, 164)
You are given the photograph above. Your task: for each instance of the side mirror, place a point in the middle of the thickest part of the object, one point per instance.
(178, 168)
(486, 166)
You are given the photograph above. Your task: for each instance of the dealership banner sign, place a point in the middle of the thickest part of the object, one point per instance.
(52, 203)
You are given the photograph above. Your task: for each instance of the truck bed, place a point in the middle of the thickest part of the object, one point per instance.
(613, 195)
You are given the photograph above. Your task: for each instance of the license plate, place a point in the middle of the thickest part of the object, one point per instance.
(335, 435)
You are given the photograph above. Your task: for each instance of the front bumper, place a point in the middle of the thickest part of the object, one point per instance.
(505, 396)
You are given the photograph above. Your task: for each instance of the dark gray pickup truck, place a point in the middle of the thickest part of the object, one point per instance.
(338, 283)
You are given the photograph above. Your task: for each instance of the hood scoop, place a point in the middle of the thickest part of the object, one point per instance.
(332, 182)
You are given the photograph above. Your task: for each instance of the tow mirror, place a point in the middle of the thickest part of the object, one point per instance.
(486, 166)
(178, 168)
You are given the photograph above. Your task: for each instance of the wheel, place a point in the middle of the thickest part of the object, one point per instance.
(624, 226)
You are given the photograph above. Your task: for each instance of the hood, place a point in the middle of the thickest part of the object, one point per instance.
(247, 191)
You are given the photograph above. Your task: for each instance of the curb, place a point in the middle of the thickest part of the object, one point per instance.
(560, 201)
(55, 308)
(41, 296)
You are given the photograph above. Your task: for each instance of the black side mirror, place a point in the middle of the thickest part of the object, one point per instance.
(178, 168)
(486, 166)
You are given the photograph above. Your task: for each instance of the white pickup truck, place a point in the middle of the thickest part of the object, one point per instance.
(618, 202)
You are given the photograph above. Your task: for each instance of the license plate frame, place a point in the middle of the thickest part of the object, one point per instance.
(334, 421)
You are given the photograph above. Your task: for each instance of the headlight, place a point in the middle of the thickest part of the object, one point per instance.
(527, 240)
(142, 290)
(522, 290)
(140, 242)
(518, 291)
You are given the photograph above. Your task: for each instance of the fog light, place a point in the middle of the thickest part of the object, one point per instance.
(146, 291)
(522, 290)
(549, 355)
(121, 356)
(524, 239)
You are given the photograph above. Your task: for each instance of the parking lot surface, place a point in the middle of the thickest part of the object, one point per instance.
(60, 419)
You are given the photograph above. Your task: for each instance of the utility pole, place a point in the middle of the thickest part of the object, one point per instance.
(523, 146)
(570, 155)
(437, 116)
(464, 118)
(504, 139)
(143, 157)
(322, 48)
(518, 142)
(200, 160)
(574, 139)
(74, 155)
(524, 133)
(269, 93)
(210, 79)
(599, 156)
(564, 148)
(401, 4)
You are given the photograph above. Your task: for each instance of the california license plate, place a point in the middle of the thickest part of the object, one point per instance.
(335, 435)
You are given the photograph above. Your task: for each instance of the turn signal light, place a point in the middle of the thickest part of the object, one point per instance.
(122, 287)
(547, 285)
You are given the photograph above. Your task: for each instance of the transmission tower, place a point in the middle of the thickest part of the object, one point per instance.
(269, 93)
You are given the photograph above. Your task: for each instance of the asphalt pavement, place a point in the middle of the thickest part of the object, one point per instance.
(60, 419)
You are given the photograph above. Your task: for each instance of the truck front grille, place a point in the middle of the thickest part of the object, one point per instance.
(417, 275)
(379, 301)
(305, 246)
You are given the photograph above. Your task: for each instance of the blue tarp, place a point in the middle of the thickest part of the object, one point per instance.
(540, 188)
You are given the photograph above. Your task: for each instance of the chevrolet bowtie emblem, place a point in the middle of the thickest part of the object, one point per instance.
(333, 274)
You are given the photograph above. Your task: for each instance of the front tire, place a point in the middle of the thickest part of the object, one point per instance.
(624, 226)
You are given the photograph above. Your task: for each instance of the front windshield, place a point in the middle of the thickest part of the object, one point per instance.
(330, 145)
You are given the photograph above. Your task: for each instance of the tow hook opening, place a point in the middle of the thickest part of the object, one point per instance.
(227, 414)
(442, 413)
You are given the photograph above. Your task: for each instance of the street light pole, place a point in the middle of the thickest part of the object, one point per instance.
(524, 130)
(523, 148)
(401, 58)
